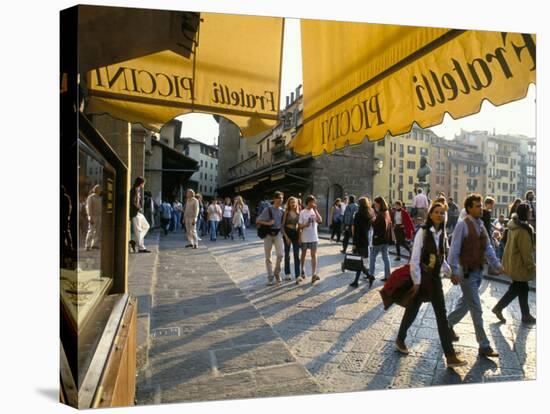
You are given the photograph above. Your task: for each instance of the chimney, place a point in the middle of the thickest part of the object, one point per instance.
(287, 103)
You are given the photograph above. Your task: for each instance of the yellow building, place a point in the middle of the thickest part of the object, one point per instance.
(399, 159)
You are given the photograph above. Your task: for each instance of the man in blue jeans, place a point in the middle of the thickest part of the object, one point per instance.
(470, 247)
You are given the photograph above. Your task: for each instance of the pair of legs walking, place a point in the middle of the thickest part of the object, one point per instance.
(375, 250)
(271, 242)
(295, 246)
(438, 304)
(312, 247)
(518, 290)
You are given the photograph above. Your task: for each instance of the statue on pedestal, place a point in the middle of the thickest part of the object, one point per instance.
(422, 174)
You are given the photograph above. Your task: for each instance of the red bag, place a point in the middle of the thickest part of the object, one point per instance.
(398, 288)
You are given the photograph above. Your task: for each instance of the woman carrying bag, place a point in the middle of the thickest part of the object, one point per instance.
(427, 262)
(360, 231)
(518, 263)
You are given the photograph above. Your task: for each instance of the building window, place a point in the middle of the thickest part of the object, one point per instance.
(424, 151)
(411, 165)
(411, 149)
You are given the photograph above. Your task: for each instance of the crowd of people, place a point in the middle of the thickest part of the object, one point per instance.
(439, 236)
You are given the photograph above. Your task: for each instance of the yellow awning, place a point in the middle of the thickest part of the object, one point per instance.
(235, 72)
(366, 80)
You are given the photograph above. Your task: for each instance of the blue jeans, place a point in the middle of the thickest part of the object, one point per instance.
(382, 248)
(213, 229)
(177, 224)
(469, 301)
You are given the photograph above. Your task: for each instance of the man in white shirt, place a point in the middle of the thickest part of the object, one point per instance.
(421, 204)
(308, 222)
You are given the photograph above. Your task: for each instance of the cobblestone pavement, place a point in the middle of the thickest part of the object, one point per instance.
(207, 341)
(344, 338)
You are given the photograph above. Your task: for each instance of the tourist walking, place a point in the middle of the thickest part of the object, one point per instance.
(291, 237)
(360, 229)
(420, 204)
(246, 214)
(190, 216)
(177, 208)
(426, 264)
(486, 216)
(309, 237)
(272, 217)
(335, 220)
(214, 217)
(518, 263)
(166, 216)
(470, 248)
(238, 218)
(140, 226)
(381, 236)
(94, 212)
(347, 222)
(227, 215)
(201, 219)
(403, 228)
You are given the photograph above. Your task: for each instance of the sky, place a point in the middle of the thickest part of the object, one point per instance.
(513, 118)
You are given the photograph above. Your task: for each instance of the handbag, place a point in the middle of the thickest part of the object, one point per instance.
(352, 262)
(263, 230)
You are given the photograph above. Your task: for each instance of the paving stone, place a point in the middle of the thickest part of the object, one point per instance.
(246, 357)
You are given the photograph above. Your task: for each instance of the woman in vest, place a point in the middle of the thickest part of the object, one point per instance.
(519, 264)
(427, 262)
(381, 236)
(360, 231)
(292, 237)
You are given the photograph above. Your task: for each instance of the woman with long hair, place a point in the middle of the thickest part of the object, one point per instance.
(227, 215)
(381, 236)
(238, 217)
(335, 220)
(360, 231)
(427, 262)
(291, 237)
(513, 207)
(518, 263)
